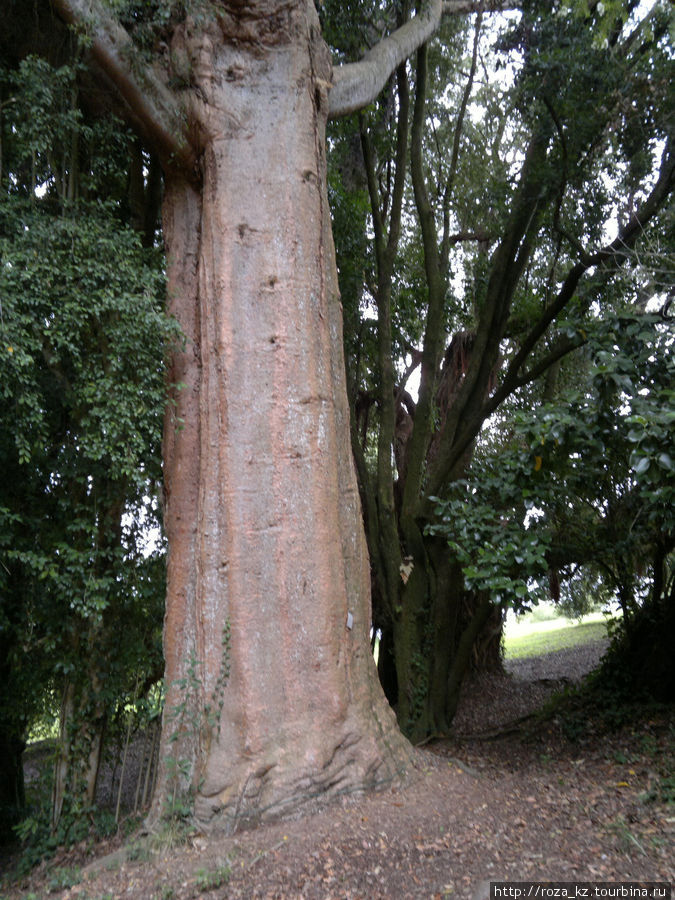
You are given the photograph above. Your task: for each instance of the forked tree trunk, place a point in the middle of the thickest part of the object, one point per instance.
(273, 695)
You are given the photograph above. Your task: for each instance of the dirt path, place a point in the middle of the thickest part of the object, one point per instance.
(489, 702)
(474, 810)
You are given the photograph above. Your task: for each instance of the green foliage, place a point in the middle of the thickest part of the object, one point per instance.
(40, 840)
(63, 878)
(489, 524)
(51, 145)
(211, 880)
(85, 399)
(46, 114)
(351, 27)
(664, 792)
(149, 22)
(167, 893)
(605, 451)
(83, 340)
(71, 322)
(598, 464)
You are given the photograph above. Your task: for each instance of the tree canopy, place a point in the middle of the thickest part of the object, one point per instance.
(504, 202)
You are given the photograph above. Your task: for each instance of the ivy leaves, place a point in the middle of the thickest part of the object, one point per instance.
(83, 338)
(70, 334)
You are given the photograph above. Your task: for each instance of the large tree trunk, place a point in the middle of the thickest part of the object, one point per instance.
(272, 691)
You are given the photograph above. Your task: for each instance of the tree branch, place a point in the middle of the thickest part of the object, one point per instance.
(355, 85)
(609, 258)
(508, 262)
(434, 333)
(457, 137)
(563, 347)
(150, 103)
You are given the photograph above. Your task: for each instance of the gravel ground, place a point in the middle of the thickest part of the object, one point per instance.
(492, 701)
(570, 665)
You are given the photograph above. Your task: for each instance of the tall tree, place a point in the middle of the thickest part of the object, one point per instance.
(272, 695)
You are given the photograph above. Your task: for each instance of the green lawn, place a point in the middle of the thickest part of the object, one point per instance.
(537, 638)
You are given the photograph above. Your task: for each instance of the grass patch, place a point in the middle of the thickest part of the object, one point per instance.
(550, 640)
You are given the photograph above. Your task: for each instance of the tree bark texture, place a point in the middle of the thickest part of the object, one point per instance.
(272, 694)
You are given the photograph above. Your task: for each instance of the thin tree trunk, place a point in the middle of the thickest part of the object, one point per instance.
(77, 765)
(141, 764)
(61, 763)
(124, 766)
(150, 766)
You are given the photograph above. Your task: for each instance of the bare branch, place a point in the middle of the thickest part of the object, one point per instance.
(150, 103)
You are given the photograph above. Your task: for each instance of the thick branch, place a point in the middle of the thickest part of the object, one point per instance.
(355, 85)
(434, 331)
(507, 265)
(387, 387)
(149, 101)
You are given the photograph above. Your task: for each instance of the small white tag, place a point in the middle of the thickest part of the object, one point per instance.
(406, 568)
(350, 620)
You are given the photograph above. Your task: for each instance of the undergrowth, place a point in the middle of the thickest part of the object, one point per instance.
(605, 705)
